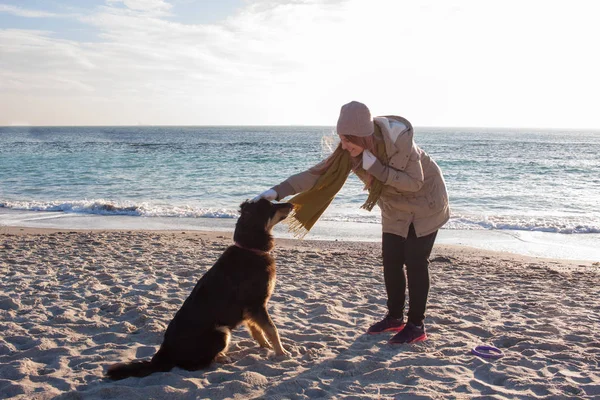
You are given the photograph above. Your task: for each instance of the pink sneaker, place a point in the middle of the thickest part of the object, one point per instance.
(410, 334)
(387, 324)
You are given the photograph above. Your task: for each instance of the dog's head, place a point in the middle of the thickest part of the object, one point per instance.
(253, 228)
(263, 213)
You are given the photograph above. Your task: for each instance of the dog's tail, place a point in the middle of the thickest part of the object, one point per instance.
(138, 368)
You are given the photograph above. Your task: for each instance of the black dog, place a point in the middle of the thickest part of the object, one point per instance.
(233, 291)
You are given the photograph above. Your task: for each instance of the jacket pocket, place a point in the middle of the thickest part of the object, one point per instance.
(431, 198)
(437, 196)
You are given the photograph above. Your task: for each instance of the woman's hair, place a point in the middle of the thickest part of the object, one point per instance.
(366, 142)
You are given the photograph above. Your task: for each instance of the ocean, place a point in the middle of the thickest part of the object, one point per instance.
(534, 192)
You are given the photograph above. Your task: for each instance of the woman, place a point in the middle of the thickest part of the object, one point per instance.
(409, 188)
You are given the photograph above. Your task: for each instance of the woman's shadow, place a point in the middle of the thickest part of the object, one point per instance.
(362, 369)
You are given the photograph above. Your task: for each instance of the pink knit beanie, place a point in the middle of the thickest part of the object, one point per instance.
(355, 119)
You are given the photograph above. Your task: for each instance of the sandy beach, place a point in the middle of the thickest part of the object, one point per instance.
(74, 302)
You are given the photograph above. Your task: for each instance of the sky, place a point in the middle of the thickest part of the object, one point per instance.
(462, 63)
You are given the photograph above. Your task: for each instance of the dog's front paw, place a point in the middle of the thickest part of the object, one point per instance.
(223, 359)
(283, 354)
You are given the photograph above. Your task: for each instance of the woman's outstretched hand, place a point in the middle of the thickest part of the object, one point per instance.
(267, 194)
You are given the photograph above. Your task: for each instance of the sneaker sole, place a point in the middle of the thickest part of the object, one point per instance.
(398, 329)
(421, 338)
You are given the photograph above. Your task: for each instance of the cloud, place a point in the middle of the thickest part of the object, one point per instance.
(153, 7)
(22, 12)
(36, 63)
(297, 61)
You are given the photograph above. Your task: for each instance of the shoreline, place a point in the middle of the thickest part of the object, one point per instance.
(536, 245)
(287, 242)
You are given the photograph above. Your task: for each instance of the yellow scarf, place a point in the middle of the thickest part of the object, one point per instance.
(310, 205)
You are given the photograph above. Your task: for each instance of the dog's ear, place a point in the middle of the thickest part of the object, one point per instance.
(243, 206)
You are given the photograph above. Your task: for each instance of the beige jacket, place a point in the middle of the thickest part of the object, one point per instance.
(414, 190)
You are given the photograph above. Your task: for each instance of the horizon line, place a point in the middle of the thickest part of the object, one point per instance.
(285, 125)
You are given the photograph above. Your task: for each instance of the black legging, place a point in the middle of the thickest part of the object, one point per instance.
(413, 252)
